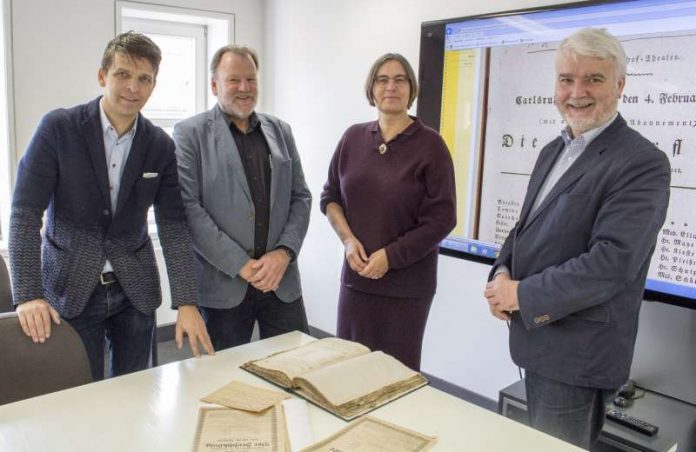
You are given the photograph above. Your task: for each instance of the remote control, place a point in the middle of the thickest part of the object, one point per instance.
(631, 422)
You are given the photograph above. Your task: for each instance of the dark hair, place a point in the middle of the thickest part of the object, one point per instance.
(237, 50)
(134, 45)
(370, 82)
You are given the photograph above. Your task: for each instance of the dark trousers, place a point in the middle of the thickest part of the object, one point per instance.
(109, 314)
(572, 413)
(393, 325)
(234, 326)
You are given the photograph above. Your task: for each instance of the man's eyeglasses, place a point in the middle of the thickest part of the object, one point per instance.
(383, 80)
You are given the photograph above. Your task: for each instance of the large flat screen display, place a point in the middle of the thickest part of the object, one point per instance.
(487, 84)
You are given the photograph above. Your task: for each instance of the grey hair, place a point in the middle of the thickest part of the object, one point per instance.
(596, 43)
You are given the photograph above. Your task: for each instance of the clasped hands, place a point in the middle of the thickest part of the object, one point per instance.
(501, 294)
(266, 272)
(373, 266)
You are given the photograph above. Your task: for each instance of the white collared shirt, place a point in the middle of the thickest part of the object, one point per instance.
(573, 149)
(116, 150)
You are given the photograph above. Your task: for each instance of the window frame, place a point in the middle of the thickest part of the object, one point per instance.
(8, 152)
(219, 31)
(196, 31)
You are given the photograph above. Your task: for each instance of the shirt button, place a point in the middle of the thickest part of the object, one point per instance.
(106, 212)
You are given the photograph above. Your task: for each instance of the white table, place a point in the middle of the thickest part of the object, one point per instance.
(156, 410)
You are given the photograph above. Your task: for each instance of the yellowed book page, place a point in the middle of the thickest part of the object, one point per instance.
(242, 396)
(371, 434)
(311, 356)
(348, 380)
(234, 430)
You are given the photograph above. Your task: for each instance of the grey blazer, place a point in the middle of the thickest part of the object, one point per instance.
(220, 210)
(582, 258)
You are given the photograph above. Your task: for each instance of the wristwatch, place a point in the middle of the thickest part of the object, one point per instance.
(288, 251)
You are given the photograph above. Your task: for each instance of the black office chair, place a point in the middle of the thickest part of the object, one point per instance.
(688, 442)
(30, 369)
(5, 289)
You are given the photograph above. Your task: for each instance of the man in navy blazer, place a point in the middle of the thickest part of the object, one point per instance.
(247, 204)
(95, 170)
(571, 274)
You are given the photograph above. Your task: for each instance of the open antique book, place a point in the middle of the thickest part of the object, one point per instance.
(340, 376)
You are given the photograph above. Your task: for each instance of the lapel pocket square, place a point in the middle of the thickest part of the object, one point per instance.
(150, 175)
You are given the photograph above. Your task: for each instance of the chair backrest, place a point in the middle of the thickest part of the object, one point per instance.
(30, 369)
(5, 289)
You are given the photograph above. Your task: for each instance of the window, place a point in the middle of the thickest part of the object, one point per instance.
(188, 39)
(181, 82)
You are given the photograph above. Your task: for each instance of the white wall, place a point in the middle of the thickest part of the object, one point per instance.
(57, 47)
(317, 56)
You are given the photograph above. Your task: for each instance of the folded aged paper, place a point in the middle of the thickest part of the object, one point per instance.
(242, 396)
(236, 431)
(372, 434)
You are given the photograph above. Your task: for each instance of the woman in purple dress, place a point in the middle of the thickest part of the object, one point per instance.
(390, 197)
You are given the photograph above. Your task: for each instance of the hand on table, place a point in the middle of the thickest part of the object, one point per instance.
(190, 323)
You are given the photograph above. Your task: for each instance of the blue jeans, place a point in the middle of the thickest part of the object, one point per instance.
(233, 326)
(572, 413)
(109, 314)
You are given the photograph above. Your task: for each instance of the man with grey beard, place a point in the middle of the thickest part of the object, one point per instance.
(248, 207)
(571, 274)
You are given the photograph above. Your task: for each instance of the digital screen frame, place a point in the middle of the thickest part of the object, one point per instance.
(486, 84)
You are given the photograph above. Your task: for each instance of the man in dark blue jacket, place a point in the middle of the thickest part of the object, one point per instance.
(570, 275)
(95, 170)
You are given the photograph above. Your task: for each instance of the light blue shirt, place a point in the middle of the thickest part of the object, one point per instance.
(116, 150)
(574, 147)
